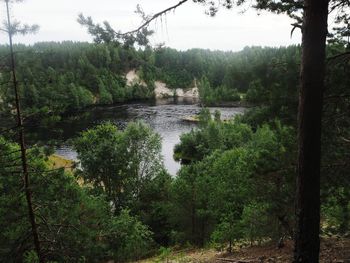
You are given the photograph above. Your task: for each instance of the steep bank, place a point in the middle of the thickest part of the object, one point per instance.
(161, 90)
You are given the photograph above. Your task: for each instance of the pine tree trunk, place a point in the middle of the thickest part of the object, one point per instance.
(21, 142)
(307, 241)
(345, 212)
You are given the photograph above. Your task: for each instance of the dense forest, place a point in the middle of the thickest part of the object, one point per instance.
(237, 178)
(236, 184)
(61, 77)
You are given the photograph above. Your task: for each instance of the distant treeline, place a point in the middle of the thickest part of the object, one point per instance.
(67, 76)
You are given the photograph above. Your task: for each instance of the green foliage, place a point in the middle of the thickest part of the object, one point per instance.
(105, 96)
(255, 220)
(237, 177)
(336, 212)
(230, 179)
(255, 92)
(128, 237)
(335, 196)
(164, 254)
(126, 166)
(215, 95)
(67, 76)
(204, 116)
(217, 116)
(226, 232)
(260, 204)
(214, 135)
(30, 257)
(154, 207)
(73, 223)
(118, 163)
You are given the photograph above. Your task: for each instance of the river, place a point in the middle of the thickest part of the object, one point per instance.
(164, 116)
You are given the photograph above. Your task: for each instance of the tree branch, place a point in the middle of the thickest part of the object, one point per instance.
(329, 59)
(155, 16)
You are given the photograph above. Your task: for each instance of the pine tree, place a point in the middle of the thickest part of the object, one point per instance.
(13, 28)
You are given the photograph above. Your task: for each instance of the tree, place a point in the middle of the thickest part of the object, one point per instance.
(76, 225)
(244, 176)
(119, 163)
(314, 29)
(12, 29)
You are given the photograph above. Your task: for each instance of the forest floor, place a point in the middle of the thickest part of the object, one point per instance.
(333, 250)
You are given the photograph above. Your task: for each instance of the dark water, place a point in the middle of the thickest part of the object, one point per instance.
(164, 116)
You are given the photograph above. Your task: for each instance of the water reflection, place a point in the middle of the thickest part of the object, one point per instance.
(164, 116)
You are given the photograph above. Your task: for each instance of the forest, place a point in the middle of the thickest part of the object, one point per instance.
(237, 181)
(62, 77)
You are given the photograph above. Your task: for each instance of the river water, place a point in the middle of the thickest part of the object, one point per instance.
(164, 116)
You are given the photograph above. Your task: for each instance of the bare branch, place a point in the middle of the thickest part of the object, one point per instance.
(107, 34)
(155, 16)
(295, 25)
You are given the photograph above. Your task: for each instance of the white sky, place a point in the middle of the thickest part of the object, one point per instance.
(188, 27)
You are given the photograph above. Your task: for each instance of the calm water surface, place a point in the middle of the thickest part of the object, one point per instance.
(164, 116)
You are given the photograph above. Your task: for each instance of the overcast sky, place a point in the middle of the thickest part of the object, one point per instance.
(187, 27)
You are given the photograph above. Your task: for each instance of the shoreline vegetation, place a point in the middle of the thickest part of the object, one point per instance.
(64, 77)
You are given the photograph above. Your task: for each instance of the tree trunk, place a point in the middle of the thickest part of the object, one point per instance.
(21, 142)
(345, 217)
(314, 31)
